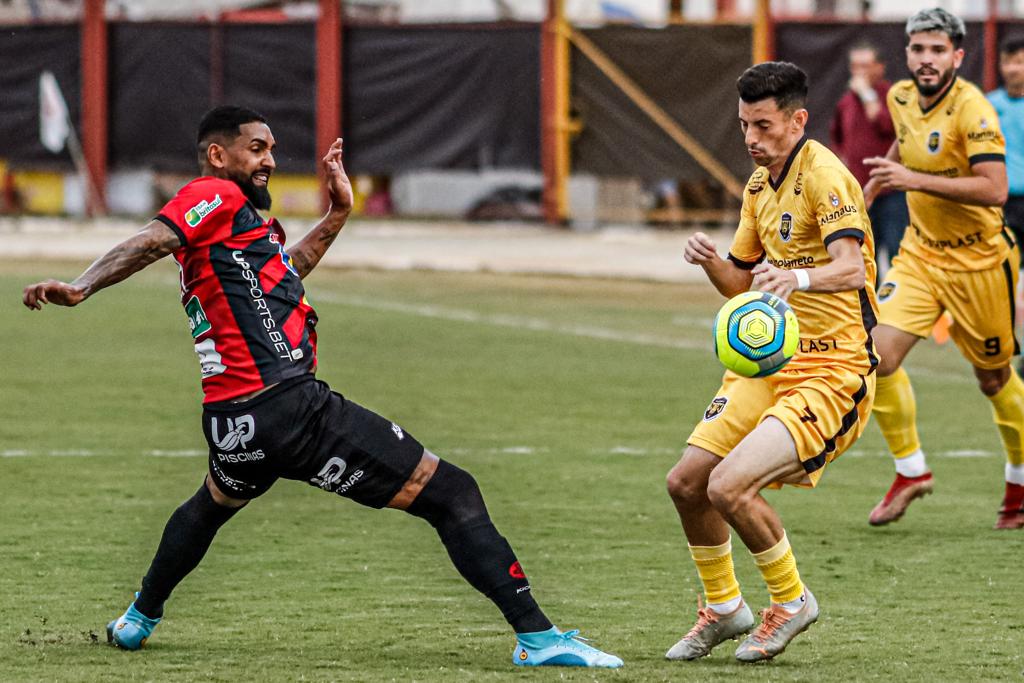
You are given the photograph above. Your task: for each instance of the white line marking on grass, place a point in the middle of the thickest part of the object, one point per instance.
(961, 453)
(517, 322)
(86, 453)
(184, 453)
(585, 331)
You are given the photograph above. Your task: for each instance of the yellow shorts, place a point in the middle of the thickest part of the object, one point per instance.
(824, 409)
(983, 303)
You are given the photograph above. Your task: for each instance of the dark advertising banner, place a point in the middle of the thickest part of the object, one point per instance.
(441, 97)
(690, 71)
(25, 52)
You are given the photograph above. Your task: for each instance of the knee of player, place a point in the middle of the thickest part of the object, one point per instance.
(727, 493)
(992, 382)
(682, 487)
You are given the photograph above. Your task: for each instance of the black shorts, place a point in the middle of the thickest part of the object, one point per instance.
(302, 430)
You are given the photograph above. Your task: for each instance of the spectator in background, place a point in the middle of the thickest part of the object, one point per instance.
(1009, 104)
(861, 128)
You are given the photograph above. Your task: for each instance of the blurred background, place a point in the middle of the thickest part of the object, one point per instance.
(574, 113)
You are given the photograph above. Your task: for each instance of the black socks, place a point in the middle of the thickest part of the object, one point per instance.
(187, 536)
(453, 505)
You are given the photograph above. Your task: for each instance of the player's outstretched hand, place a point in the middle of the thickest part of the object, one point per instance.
(768, 278)
(700, 249)
(338, 185)
(52, 292)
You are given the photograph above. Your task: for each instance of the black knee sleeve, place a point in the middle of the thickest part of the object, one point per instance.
(451, 498)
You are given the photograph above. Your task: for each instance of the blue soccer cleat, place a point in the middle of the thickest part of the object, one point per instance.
(554, 648)
(131, 630)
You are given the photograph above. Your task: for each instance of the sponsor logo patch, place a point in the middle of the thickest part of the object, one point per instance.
(798, 185)
(833, 199)
(197, 213)
(715, 408)
(516, 571)
(240, 431)
(398, 431)
(757, 182)
(197, 320)
(329, 477)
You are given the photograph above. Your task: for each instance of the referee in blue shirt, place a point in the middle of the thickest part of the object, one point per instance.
(1009, 104)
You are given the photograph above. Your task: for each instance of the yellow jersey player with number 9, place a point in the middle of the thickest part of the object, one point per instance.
(803, 236)
(956, 256)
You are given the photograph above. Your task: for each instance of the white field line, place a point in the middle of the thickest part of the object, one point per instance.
(516, 322)
(631, 451)
(585, 331)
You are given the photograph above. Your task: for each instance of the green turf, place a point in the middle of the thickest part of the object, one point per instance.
(568, 400)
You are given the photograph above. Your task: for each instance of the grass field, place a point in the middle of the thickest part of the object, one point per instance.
(568, 399)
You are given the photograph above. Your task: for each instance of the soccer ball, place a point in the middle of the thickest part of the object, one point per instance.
(756, 334)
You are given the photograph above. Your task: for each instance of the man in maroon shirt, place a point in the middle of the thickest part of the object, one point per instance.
(861, 128)
(265, 415)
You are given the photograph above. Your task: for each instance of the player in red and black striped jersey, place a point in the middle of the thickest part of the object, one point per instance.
(235, 271)
(265, 416)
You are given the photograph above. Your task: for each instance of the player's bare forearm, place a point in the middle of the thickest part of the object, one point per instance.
(987, 187)
(728, 278)
(150, 244)
(307, 253)
(845, 272)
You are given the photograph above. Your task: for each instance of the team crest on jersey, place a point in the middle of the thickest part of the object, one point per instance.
(197, 213)
(715, 408)
(934, 141)
(886, 291)
(786, 226)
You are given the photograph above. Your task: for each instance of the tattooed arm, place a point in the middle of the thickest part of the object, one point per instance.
(311, 248)
(150, 244)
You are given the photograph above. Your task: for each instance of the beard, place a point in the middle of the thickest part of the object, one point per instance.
(258, 195)
(928, 90)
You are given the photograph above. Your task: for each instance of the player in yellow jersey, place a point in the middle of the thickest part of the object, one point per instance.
(804, 236)
(956, 256)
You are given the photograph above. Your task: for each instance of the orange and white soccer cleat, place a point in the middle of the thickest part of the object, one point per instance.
(901, 494)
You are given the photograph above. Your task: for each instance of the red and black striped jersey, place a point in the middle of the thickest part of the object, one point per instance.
(245, 303)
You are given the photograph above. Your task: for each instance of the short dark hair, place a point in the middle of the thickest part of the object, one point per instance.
(866, 46)
(1011, 45)
(938, 19)
(225, 120)
(784, 82)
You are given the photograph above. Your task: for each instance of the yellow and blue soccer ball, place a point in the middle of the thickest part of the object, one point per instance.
(756, 334)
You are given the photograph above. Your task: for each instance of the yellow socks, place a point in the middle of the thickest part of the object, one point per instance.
(896, 412)
(1008, 412)
(714, 565)
(778, 567)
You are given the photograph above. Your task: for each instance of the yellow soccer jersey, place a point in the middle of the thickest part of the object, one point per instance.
(791, 223)
(958, 130)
